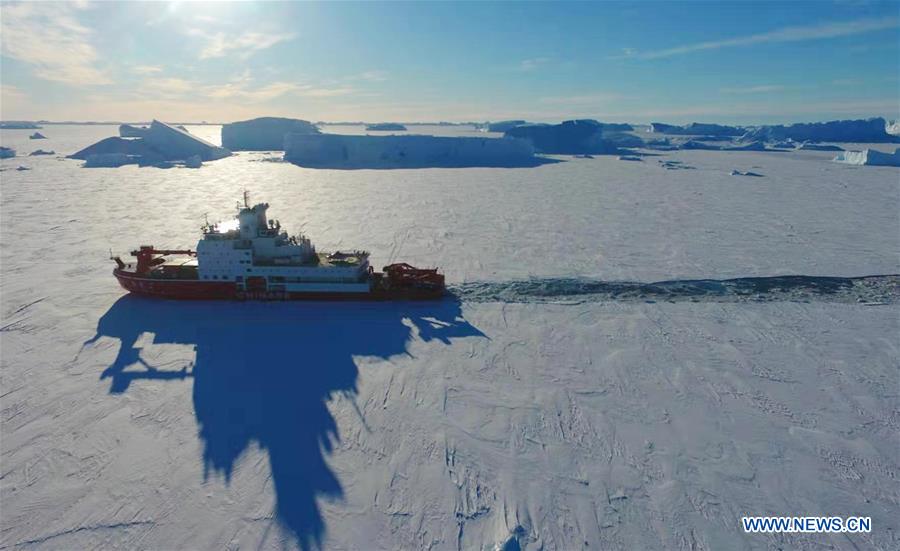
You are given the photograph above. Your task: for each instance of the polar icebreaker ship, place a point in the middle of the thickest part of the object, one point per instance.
(252, 258)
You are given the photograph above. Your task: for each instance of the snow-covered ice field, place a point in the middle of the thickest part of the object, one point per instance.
(563, 424)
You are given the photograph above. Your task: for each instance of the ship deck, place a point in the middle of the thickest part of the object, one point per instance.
(325, 260)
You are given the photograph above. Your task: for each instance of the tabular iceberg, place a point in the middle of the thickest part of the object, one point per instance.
(696, 129)
(503, 126)
(869, 157)
(345, 151)
(860, 131)
(263, 133)
(575, 137)
(386, 127)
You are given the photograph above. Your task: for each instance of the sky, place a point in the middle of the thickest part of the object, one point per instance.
(641, 61)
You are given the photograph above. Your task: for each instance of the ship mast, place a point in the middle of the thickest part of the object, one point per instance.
(246, 199)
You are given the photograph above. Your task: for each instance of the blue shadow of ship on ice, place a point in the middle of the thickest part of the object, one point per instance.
(264, 373)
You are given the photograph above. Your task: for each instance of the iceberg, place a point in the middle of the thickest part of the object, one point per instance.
(175, 144)
(820, 147)
(18, 125)
(691, 144)
(416, 151)
(116, 145)
(37, 152)
(893, 128)
(751, 146)
(787, 144)
(37, 136)
(617, 127)
(503, 126)
(748, 173)
(573, 137)
(869, 157)
(160, 143)
(859, 131)
(7, 152)
(696, 129)
(110, 160)
(386, 127)
(128, 131)
(263, 133)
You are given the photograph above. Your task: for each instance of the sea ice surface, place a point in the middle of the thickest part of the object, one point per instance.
(515, 414)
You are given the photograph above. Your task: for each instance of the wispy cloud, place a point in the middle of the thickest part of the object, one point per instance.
(243, 45)
(371, 76)
(786, 34)
(241, 87)
(146, 69)
(534, 63)
(760, 89)
(49, 37)
(9, 92)
(169, 87)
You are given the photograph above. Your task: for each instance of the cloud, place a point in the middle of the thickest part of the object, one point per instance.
(146, 69)
(251, 95)
(786, 34)
(169, 88)
(240, 87)
(244, 45)
(371, 76)
(9, 92)
(534, 63)
(761, 89)
(48, 37)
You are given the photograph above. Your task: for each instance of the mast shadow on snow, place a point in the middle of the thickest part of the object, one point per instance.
(264, 372)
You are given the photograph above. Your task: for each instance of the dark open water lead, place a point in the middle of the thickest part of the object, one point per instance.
(866, 289)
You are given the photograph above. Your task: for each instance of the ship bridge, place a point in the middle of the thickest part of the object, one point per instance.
(253, 245)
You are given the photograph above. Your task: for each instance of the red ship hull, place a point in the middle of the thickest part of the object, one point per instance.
(189, 289)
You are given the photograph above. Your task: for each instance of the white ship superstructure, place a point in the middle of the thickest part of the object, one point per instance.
(253, 249)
